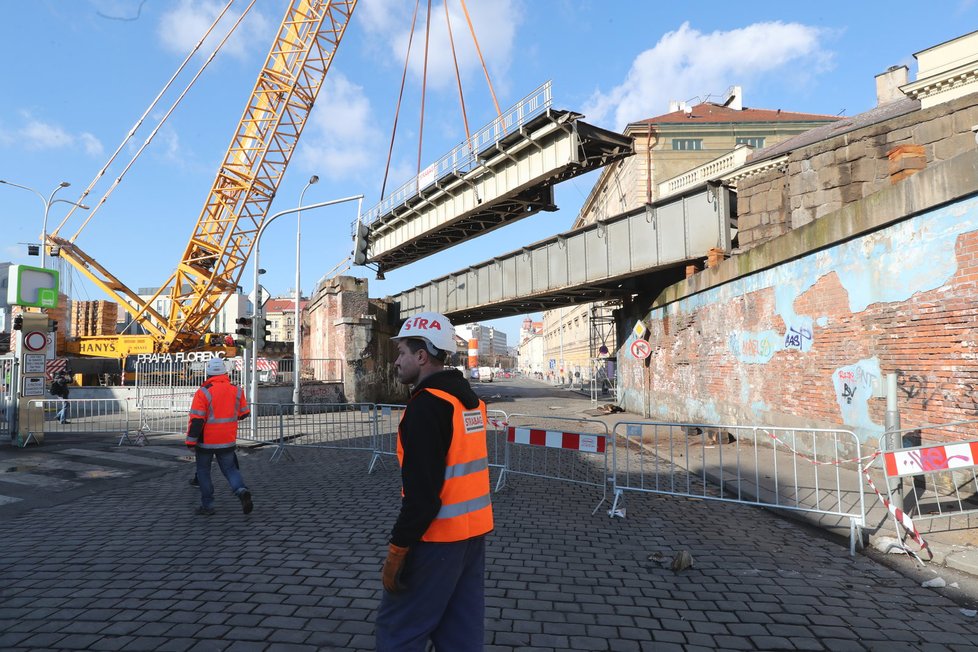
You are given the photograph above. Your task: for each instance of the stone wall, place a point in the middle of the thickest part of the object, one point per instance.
(801, 330)
(345, 324)
(821, 178)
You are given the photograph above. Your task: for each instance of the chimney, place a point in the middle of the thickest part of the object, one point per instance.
(888, 84)
(735, 98)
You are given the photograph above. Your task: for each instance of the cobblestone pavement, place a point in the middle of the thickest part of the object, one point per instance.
(133, 568)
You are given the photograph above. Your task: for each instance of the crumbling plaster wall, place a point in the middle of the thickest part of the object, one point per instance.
(802, 341)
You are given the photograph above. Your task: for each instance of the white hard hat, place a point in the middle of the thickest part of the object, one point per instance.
(431, 326)
(215, 367)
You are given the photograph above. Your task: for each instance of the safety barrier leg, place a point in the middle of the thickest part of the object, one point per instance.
(281, 451)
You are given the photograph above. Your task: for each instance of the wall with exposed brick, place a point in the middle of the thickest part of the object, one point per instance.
(803, 342)
(344, 324)
(821, 178)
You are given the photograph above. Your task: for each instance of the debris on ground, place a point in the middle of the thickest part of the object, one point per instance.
(682, 561)
(936, 583)
(889, 545)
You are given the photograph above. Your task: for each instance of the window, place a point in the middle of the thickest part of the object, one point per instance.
(756, 142)
(687, 143)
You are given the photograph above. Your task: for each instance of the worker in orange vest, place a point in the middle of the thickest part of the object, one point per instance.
(213, 432)
(434, 572)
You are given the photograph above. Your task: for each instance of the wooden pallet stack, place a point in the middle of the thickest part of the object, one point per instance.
(92, 318)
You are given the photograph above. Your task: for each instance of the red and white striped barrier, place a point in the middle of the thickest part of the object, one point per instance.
(580, 458)
(52, 367)
(556, 439)
(928, 459)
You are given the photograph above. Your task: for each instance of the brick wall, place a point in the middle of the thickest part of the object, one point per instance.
(820, 178)
(804, 342)
(345, 324)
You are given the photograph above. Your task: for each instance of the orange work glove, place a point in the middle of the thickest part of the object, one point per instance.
(393, 566)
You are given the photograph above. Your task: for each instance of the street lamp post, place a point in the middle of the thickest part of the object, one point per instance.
(297, 336)
(253, 390)
(47, 207)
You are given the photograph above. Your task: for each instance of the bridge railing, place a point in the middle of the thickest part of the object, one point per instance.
(464, 157)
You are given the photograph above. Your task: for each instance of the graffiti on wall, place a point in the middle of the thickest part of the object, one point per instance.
(853, 388)
(931, 391)
(755, 347)
(798, 338)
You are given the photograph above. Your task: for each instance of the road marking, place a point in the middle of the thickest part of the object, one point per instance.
(117, 457)
(34, 480)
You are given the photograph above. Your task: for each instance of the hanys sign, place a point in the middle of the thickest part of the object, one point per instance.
(929, 459)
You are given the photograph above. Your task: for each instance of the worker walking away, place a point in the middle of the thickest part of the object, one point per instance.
(59, 388)
(213, 431)
(434, 572)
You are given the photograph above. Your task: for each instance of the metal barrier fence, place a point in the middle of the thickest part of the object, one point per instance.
(566, 449)
(785, 468)
(84, 416)
(347, 426)
(937, 481)
(7, 394)
(386, 419)
(323, 370)
(269, 423)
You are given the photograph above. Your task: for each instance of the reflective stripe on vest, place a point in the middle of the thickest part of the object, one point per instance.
(221, 405)
(466, 508)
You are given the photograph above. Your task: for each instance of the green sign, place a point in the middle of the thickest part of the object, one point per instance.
(32, 287)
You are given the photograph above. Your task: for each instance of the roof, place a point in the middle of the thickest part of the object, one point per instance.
(284, 305)
(708, 112)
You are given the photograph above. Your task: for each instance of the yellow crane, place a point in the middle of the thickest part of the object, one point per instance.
(214, 259)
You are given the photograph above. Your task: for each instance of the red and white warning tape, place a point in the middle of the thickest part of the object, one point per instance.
(555, 439)
(864, 463)
(903, 519)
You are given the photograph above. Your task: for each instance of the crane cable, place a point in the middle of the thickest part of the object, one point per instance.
(424, 78)
(400, 95)
(458, 76)
(163, 120)
(481, 60)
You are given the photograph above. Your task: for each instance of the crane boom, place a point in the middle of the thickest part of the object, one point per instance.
(262, 145)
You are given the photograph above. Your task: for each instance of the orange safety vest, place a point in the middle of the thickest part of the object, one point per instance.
(466, 510)
(220, 404)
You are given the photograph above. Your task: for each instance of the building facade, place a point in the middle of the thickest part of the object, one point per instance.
(665, 146)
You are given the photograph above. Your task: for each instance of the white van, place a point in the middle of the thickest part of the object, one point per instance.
(485, 374)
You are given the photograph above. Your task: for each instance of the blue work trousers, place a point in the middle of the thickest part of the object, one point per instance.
(229, 467)
(444, 601)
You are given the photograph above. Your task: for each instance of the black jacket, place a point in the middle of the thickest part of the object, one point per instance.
(426, 435)
(59, 387)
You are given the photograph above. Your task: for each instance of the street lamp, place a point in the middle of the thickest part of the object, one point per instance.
(47, 207)
(253, 390)
(297, 337)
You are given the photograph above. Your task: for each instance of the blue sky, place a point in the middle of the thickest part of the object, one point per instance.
(79, 73)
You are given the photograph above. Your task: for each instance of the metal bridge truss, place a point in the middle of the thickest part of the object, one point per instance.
(639, 252)
(513, 178)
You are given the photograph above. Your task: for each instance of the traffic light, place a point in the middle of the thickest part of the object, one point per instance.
(245, 326)
(360, 243)
(19, 322)
(262, 332)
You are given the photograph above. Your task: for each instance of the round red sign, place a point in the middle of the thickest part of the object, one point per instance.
(641, 349)
(35, 341)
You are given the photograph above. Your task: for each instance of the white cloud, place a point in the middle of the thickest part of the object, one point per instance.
(495, 24)
(686, 63)
(183, 26)
(341, 140)
(92, 145)
(41, 135)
